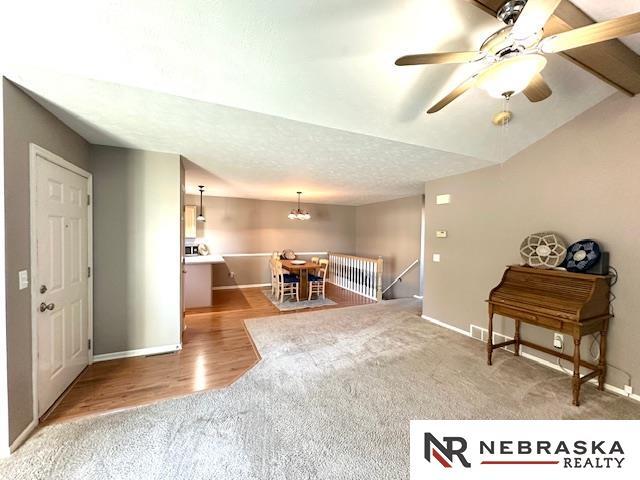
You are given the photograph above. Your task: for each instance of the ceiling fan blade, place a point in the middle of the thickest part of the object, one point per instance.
(537, 90)
(436, 58)
(534, 17)
(455, 93)
(598, 32)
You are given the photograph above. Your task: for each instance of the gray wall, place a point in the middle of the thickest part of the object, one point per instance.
(137, 255)
(392, 230)
(580, 181)
(238, 225)
(25, 121)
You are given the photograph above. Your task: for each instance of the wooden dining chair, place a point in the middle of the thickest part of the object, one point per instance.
(287, 284)
(274, 276)
(314, 260)
(317, 282)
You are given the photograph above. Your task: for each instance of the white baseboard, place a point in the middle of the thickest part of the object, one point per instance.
(446, 325)
(233, 287)
(541, 361)
(21, 438)
(137, 353)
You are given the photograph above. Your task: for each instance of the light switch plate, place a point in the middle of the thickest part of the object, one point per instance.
(441, 233)
(436, 257)
(443, 199)
(23, 279)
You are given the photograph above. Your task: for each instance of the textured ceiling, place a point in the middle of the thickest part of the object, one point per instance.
(257, 155)
(246, 89)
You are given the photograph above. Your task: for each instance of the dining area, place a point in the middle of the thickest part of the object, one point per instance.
(297, 282)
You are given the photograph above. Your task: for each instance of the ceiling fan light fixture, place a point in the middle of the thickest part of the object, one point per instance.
(512, 75)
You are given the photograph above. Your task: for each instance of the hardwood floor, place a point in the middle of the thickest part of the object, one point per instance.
(216, 351)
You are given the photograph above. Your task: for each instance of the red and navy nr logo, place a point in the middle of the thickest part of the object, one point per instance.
(446, 451)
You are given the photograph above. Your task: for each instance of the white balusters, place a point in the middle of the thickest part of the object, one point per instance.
(360, 275)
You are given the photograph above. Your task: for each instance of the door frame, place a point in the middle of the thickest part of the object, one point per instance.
(34, 150)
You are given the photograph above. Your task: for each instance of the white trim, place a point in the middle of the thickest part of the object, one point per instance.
(541, 361)
(137, 352)
(268, 254)
(20, 439)
(34, 150)
(446, 325)
(232, 287)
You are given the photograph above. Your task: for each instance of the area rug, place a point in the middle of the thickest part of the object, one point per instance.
(291, 304)
(331, 399)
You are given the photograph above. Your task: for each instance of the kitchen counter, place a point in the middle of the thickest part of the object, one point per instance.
(198, 279)
(203, 259)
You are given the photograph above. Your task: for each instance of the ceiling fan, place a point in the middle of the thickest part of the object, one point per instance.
(513, 56)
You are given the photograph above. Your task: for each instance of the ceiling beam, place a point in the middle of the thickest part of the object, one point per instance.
(611, 61)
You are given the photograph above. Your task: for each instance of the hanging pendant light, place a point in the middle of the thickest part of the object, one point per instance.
(200, 217)
(298, 213)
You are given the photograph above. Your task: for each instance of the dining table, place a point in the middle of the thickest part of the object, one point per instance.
(302, 270)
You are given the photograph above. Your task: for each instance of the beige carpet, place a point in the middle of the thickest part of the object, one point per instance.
(331, 399)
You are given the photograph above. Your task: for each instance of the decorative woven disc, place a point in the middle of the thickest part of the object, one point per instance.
(543, 250)
(582, 255)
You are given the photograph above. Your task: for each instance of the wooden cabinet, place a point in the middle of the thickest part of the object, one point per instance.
(190, 215)
(197, 285)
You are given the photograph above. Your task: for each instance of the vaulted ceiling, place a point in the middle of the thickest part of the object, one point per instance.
(268, 97)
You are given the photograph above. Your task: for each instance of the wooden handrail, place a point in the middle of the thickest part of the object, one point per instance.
(373, 259)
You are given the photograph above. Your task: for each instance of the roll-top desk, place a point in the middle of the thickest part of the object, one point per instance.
(575, 304)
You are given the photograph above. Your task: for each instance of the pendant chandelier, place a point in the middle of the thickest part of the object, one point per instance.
(298, 213)
(200, 217)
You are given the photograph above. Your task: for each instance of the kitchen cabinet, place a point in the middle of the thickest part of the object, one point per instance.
(190, 215)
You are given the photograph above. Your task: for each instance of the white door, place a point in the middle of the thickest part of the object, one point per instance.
(61, 273)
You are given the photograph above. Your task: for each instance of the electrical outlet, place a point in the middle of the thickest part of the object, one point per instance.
(232, 274)
(628, 389)
(436, 257)
(558, 340)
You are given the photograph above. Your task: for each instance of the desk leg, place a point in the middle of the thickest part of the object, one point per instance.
(602, 364)
(490, 336)
(576, 371)
(516, 337)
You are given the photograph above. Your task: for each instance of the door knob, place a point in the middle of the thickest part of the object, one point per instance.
(43, 289)
(44, 307)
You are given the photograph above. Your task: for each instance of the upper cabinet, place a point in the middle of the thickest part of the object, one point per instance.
(190, 214)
